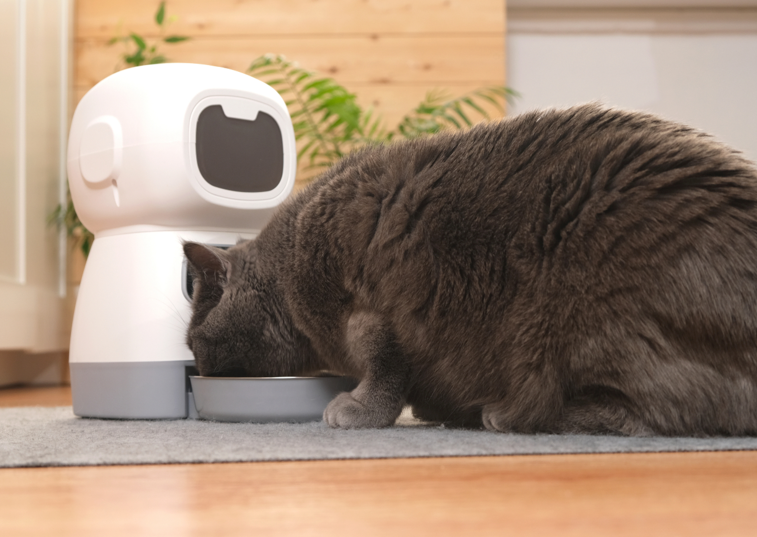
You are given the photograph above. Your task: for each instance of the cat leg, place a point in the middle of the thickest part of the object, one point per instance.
(601, 410)
(378, 399)
(533, 403)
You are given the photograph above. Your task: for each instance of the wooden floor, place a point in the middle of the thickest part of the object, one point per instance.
(687, 494)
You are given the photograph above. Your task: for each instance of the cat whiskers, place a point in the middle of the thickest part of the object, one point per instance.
(183, 318)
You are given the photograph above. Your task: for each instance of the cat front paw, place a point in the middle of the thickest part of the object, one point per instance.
(346, 412)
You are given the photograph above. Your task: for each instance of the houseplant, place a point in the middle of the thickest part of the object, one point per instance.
(328, 121)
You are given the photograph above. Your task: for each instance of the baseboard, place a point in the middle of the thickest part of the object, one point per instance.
(44, 369)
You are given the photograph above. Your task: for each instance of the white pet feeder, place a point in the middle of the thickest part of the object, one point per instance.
(158, 155)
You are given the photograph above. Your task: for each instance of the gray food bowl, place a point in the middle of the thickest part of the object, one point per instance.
(266, 399)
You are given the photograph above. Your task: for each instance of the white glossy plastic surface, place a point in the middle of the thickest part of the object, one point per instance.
(135, 183)
(101, 151)
(134, 133)
(131, 307)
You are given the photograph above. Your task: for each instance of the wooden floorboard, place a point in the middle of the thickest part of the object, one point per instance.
(35, 396)
(688, 494)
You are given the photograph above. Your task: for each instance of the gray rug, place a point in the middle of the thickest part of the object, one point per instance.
(38, 436)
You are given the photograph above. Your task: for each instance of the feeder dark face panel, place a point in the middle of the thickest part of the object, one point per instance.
(239, 155)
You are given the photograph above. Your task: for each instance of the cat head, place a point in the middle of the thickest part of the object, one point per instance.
(239, 324)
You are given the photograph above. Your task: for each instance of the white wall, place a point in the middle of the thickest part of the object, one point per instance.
(694, 65)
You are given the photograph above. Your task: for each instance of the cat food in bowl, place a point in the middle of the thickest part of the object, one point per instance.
(266, 399)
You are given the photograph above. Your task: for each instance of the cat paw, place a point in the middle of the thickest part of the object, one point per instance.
(346, 412)
(495, 420)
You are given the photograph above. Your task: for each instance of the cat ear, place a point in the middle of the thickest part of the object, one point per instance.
(211, 263)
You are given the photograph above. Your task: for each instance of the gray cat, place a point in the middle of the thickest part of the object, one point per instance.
(587, 270)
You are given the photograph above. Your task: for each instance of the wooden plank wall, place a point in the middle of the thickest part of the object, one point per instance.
(389, 52)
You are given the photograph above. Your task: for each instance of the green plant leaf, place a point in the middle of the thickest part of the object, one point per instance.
(306, 148)
(176, 38)
(276, 82)
(438, 111)
(157, 59)
(160, 14)
(67, 219)
(321, 86)
(266, 72)
(86, 243)
(470, 102)
(328, 122)
(135, 59)
(458, 109)
(138, 41)
(296, 112)
(300, 77)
